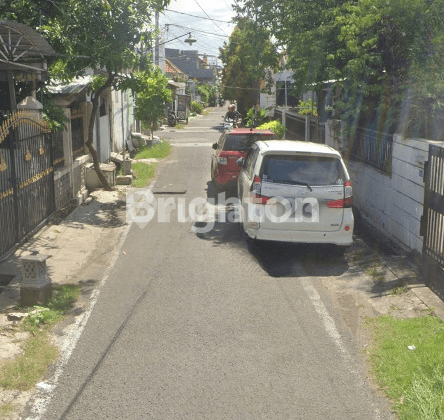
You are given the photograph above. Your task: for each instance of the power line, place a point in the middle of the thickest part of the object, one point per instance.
(199, 42)
(228, 6)
(209, 16)
(201, 32)
(199, 17)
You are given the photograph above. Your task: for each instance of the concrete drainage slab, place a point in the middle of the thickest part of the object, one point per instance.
(170, 189)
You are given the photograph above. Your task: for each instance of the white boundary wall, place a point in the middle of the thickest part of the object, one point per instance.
(393, 205)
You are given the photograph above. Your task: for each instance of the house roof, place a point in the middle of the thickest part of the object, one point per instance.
(172, 70)
(22, 47)
(77, 85)
(189, 65)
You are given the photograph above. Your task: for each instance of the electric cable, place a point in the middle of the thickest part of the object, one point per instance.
(199, 17)
(209, 16)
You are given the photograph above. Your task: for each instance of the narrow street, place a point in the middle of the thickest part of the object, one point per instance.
(197, 326)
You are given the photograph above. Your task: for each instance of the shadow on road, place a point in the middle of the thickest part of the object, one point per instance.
(278, 259)
(281, 259)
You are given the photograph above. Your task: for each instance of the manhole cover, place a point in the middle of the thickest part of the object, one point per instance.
(5, 279)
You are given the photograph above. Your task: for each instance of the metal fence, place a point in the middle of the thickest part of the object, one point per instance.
(372, 147)
(26, 177)
(295, 125)
(317, 131)
(433, 220)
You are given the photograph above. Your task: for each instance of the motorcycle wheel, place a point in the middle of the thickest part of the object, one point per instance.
(172, 121)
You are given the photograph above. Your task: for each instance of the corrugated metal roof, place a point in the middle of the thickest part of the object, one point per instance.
(76, 86)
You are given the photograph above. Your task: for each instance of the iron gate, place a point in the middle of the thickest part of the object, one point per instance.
(26, 177)
(432, 227)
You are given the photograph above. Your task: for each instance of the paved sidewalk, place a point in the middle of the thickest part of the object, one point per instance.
(85, 237)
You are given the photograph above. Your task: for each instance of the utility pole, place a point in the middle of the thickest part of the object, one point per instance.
(156, 45)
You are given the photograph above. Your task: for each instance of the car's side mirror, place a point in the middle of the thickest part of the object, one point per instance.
(214, 146)
(240, 162)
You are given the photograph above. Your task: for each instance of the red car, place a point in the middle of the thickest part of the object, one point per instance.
(231, 146)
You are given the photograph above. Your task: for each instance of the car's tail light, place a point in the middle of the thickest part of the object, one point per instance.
(256, 192)
(346, 202)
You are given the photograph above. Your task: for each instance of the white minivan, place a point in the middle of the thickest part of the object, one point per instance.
(295, 191)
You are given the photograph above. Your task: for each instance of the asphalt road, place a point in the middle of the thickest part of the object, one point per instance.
(198, 326)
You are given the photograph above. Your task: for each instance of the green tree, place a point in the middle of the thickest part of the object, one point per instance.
(110, 35)
(152, 98)
(207, 92)
(305, 32)
(384, 55)
(246, 58)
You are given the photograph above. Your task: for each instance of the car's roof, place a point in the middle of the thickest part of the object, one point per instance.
(295, 146)
(247, 131)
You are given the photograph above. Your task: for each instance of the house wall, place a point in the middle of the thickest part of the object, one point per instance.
(122, 119)
(104, 136)
(69, 182)
(391, 204)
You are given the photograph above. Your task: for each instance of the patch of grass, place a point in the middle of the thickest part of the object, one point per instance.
(377, 276)
(413, 379)
(143, 174)
(6, 409)
(61, 302)
(399, 288)
(158, 151)
(28, 369)
(180, 126)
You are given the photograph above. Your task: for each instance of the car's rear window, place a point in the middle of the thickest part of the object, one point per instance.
(244, 141)
(312, 170)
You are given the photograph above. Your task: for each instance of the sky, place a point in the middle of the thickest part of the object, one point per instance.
(210, 30)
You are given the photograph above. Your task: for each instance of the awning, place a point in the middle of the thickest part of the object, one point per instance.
(173, 83)
(23, 48)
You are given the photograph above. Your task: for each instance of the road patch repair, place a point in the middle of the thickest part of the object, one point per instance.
(84, 245)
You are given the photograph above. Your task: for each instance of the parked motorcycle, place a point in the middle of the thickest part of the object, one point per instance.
(221, 101)
(172, 119)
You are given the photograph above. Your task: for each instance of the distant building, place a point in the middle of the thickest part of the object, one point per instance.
(173, 72)
(194, 65)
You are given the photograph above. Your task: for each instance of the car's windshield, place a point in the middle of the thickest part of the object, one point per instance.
(245, 141)
(309, 170)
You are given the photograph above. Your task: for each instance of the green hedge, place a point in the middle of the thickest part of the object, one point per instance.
(274, 126)
(196, 107)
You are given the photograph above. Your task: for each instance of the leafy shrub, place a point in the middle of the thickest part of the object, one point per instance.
(306, 107)
(196, 107)
(207, 92)
(255, 118)
(274, 126)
